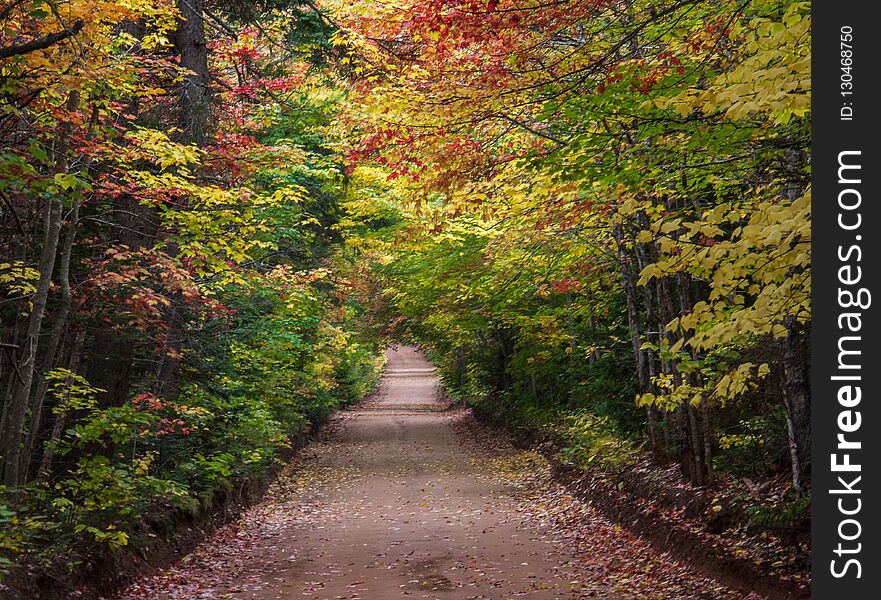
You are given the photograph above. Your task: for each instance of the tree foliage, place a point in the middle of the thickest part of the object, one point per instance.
(594, 214)
(588, 180)
(172, 320)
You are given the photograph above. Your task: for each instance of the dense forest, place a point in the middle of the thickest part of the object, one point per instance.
(593, 215)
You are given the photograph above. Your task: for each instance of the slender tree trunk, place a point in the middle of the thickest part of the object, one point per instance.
(656, 438)
(698, 436)
(796, 399)
(696, 446)
(708, 444)
(58, 328)
(690, 447)
(10, 351)
(686, 459)
(632, 309)
(12, 447)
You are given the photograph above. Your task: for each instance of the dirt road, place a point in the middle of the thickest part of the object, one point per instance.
(400, 498)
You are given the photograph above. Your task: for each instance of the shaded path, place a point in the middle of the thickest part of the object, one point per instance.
(399, 498)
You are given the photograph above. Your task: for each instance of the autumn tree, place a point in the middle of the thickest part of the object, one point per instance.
(667, 141)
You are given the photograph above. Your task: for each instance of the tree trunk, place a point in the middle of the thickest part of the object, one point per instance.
(698, 434)
(708, 444)
(796, 398)
(12, 435)
(193, 117)
(632, 309)
(168, 374)
(656, 437)
(194, 110)
(58, 328)
(690, 447)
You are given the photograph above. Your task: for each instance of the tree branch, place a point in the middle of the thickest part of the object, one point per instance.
(41, 43)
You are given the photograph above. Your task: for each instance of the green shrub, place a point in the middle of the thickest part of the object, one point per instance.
(592, 441)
